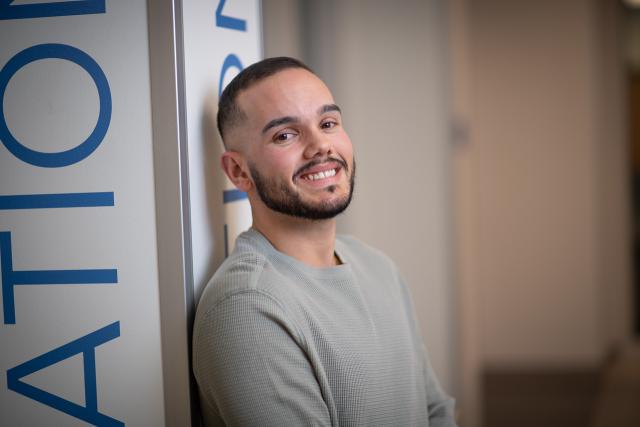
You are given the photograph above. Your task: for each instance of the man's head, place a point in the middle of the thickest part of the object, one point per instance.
(229, 114)
(285, 145)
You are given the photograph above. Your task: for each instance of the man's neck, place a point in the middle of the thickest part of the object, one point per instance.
(309, 241)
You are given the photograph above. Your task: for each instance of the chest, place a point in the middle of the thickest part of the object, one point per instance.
(360, 340)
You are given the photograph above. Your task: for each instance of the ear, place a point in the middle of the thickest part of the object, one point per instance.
(233, 166)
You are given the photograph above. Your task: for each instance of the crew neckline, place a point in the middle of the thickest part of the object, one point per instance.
(264, 244)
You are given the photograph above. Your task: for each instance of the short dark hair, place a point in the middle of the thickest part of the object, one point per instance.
(229, 113)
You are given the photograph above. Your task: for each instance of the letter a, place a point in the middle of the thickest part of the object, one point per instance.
(85, 345)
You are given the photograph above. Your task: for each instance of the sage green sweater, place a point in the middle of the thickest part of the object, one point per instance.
(279, 343)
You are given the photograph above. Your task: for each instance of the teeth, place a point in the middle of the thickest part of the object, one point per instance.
(321, 175)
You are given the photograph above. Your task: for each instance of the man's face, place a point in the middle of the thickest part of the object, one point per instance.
(299, 156)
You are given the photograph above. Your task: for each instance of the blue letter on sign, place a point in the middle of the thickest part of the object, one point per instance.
(230, 61)
(49, 201)
(76, 154)
(85, 345)
(11, 278)
(227, 21)
(43, 10)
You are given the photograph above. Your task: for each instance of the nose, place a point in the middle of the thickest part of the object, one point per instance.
(318, 144)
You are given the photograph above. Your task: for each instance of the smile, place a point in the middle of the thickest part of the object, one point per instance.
(320, 175)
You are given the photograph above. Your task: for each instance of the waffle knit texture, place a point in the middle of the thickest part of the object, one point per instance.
(279, 343)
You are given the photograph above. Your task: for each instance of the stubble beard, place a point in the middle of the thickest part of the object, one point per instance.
(282, 198)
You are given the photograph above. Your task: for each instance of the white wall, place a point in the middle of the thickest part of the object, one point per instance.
(206, 48)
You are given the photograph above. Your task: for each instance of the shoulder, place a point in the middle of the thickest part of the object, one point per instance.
(254, 277)
(362, 254)
(242, 292)
(244, 302)
(247, 270)
(239, 273)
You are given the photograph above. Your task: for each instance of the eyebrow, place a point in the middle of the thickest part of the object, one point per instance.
(279, 121)
(291, 119)
(329, 107)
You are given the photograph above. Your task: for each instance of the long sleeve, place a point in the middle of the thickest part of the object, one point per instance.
(251, 370)
(440, 405)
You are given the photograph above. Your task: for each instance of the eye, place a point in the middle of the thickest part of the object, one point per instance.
(283, 136)
(328, 124)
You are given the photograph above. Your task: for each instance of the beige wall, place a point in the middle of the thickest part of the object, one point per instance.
(532, 119)
(544, 177)
(282, 28)
(465, 219)
(615, 174)
(540, 182)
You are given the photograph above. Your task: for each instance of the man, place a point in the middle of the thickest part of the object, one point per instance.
(298, 327)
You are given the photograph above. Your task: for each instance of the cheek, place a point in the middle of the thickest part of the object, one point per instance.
(278, 162)
(345, 148)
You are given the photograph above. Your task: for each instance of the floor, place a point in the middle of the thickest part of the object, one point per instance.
(619, 400)
(580, 398)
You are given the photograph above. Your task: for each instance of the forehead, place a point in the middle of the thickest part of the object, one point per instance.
(292, 92)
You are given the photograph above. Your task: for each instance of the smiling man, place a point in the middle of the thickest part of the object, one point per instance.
(300, 327)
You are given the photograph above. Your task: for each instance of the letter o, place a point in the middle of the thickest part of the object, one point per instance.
(83, 150)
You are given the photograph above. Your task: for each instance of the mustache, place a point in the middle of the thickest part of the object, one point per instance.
(302, 169)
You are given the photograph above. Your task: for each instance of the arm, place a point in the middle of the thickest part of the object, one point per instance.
(249, 366)
(439, 405)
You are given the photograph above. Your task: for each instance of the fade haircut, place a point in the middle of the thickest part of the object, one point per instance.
(229, 114)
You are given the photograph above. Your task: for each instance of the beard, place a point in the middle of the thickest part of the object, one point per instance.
(282, 198)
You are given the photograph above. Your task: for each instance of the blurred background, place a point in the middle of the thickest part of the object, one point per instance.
(498, 149)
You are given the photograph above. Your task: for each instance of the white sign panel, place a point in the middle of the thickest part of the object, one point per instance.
(80, 334)
(220, 39)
